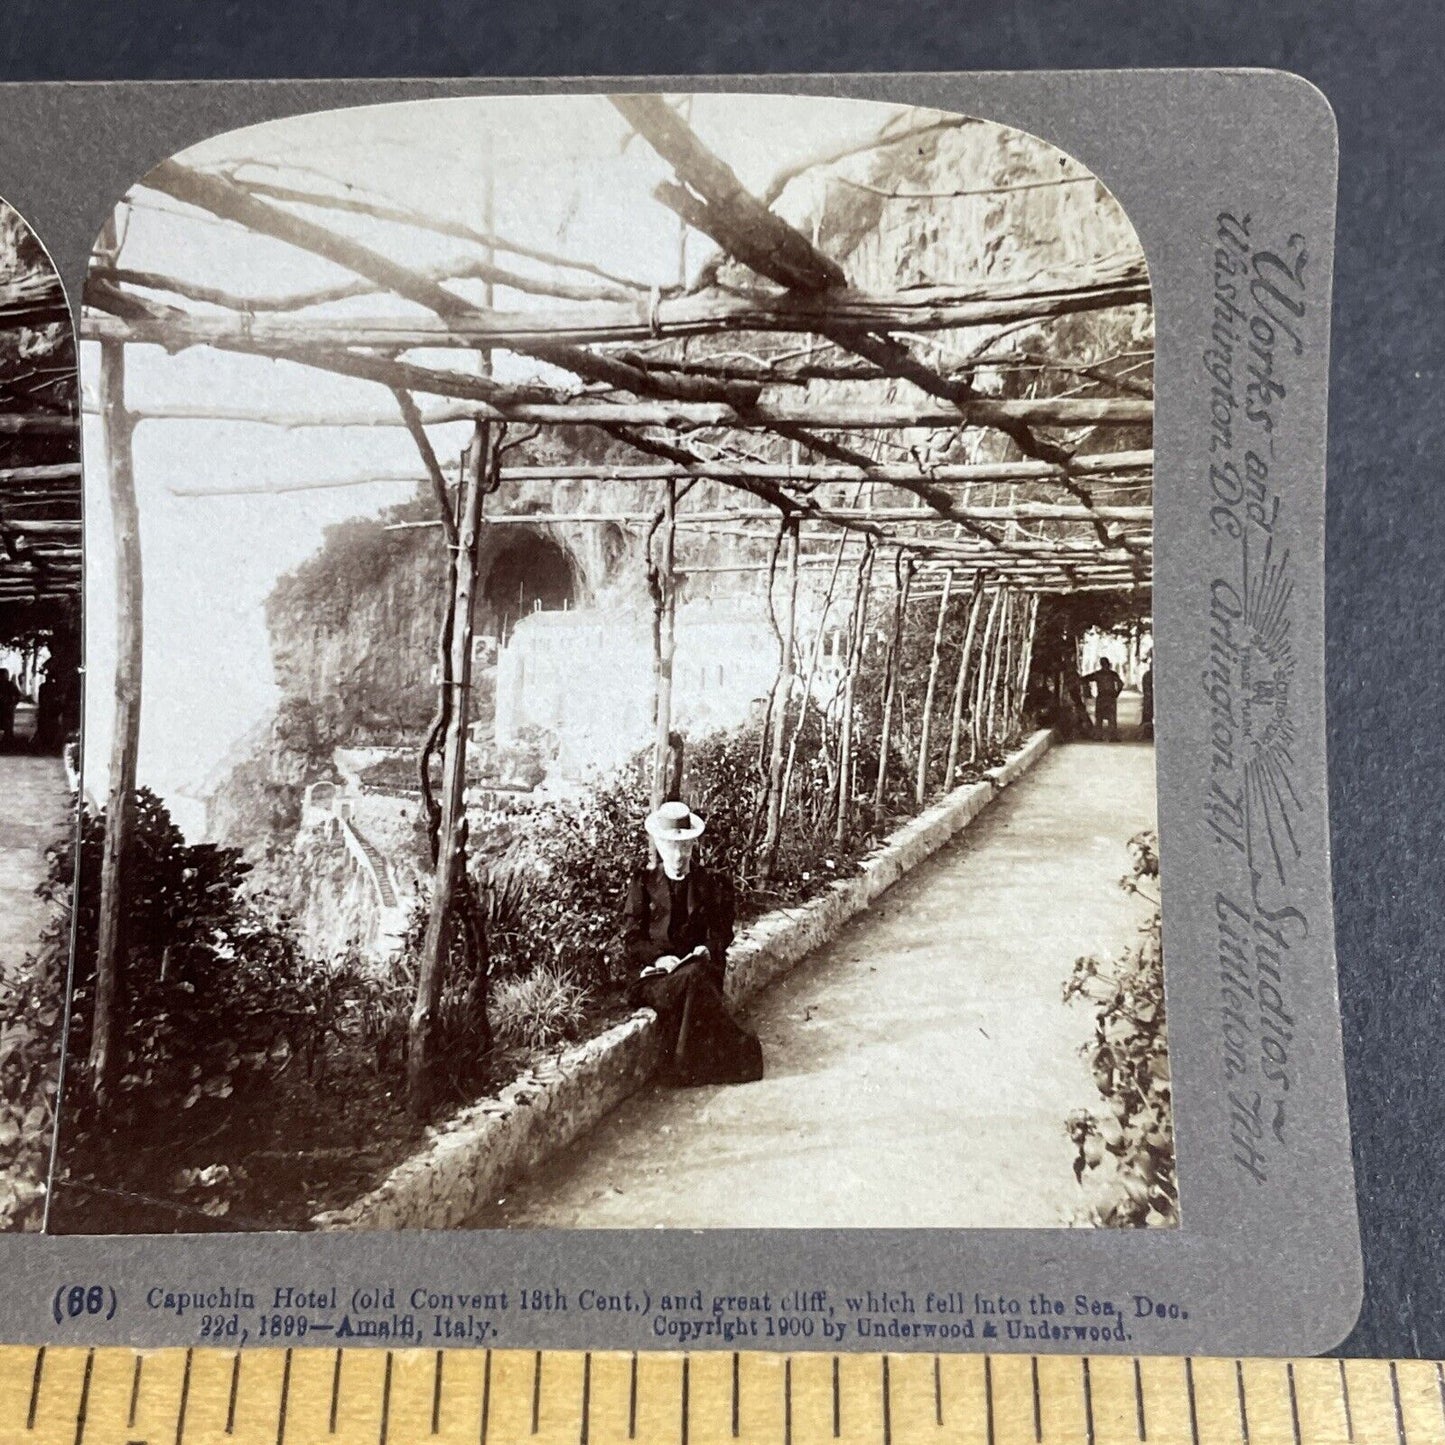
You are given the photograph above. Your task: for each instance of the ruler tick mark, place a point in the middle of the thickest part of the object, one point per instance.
(937, 1392)
(235, 1385)
(35, 1380)
(335, 1392)
(185, 1398)
(887, 1406)
(285, 1399)
(385, 1402)
(682, 1424)
(736, 1393)
(1088, 1402)
(837, 1404)
(536, 1390)
(84, 1405)
(1345, 1400)
(586, 1398)
(486, 1397)
(1399, 1408)
(134, 1392)
(1038, 1403)
(1439, 1384)
(988, 1396)
(788, 1401)
(1293, 1401)
(436, 1396)
(632, 1400)
(1139, 1402)
(1243, 1410)
(1193, 1402)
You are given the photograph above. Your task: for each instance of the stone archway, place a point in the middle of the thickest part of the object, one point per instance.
(530, 572)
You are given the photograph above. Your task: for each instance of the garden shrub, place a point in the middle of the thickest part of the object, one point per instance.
(32, 1005)
(214, 992)
(1125, 1158)
(538, 1010)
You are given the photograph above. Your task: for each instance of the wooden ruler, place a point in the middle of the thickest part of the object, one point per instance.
(117, 1396)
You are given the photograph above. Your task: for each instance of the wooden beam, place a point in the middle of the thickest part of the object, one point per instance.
(760, 239)
(891, 668)
(701, 415)
(59, 472)
(125, 733)
(782, 695)
(1019, 512)
(36, 423)
(703, 313)
(497, 402)
(951, 474)
(437, 414)
(451, 856)
(920, 790)
(662, 582)
(43, 527)
(961, 679)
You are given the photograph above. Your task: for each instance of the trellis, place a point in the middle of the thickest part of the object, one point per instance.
(39, 467)
(690, 419)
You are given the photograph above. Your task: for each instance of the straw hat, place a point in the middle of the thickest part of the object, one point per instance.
(674, 822)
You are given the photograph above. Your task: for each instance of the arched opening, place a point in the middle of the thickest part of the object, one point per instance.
(531, 573)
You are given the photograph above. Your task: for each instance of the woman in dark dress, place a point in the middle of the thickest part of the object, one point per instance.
(679, 927)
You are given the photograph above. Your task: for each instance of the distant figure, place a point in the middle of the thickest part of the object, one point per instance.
(1075, 713)
(1107, 685)
(1146, 685)
(9, 696)
(679, 926)
(47, 716)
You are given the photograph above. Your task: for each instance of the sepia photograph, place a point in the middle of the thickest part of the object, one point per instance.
(623, 691)
(40, 607)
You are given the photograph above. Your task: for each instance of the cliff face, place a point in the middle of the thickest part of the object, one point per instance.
(353, 632)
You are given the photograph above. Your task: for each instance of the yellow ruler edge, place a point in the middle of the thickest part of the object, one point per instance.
(68, 1395)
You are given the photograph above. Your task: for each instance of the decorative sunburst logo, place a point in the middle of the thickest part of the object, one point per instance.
(1266, 673)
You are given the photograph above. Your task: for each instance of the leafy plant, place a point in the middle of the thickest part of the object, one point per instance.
(31, 1008)
(212, 992)
(1125, 1157)
(539, 1009)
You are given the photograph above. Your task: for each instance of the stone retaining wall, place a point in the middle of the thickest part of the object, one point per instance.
(475, 1155)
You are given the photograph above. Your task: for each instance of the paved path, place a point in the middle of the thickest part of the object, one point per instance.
(921, 1066)
(34, 813)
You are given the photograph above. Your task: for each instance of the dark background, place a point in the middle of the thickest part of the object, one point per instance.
(1383, 67)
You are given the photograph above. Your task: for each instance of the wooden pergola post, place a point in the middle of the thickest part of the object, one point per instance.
(890, 678)
(857, 630)
(960, 686)
(451, 857)
(920, 790)
(664, 647)
(980, 691)
(125, 735)
(782, 692)
(996, 678)
(806, 678)
(1026, 656)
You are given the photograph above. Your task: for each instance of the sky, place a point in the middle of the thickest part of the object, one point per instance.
(564, 177)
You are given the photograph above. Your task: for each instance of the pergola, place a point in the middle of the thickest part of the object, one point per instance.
(1069, 510)
(39, 455)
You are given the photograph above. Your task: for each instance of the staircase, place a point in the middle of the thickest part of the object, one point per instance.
(392, 916)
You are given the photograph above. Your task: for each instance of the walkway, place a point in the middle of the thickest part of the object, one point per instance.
(921, 1066)
(34, 813)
